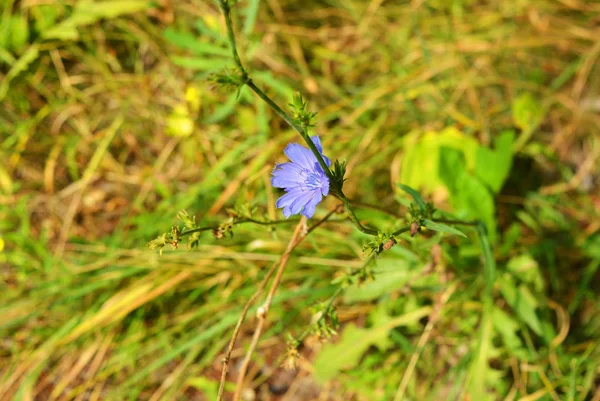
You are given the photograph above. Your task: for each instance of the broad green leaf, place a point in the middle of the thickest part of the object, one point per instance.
(88, 12)
(414, 194)
(420, 164)
(493, 166)
(354, 343)
(469, 195)
(451, 165)
(443, 228)
(522, 302)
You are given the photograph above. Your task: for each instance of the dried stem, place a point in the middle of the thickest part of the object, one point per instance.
(295, 241)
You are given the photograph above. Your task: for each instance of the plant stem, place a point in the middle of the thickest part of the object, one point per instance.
(402, 230)
(288, 119)
(262, 223)
(231, 36)
(336, 188)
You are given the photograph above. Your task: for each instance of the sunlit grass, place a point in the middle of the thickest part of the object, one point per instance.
(97, 158)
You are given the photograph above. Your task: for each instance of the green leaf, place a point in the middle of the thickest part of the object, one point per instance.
(489, 263)
(28, 57)
(355, 341)
(443, 228)
(19, 32)
(522, 302)
(415, 195)
(526, 111)
(508, 327)
(391, 274)
(188, 41)
(420, 164)
(451, 165)
(493, 166)
(88, 12)
(470, 197)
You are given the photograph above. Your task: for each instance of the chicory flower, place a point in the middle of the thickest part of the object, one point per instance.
(303, 180)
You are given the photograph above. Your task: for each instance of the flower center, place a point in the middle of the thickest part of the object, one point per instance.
(316, 179)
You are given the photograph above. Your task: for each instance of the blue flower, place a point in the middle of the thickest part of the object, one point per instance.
(303, 179)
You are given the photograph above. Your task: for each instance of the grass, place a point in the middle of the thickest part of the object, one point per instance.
(108, 128)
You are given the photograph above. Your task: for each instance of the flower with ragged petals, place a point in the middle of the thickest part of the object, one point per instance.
(303, 180)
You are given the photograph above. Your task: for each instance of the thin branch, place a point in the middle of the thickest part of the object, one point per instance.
(261, 287)
(242, 221)
(264, 310)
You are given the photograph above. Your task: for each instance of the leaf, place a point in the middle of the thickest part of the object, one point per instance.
(415, 195)
(480, 368)
(470, 197)
(28, 57)
(522, 302)
(493, 166)
(19, 32)
(527, 112)
(355, 341)
(443, 228)
(508, 327)
(201, 63)
(451, 165)
(489, 263)
(391, 274)
(88, 12)
(188, 41)
(420, 164)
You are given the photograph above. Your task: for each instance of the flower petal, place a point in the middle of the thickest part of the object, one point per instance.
(300, 155)
(296, 206)
(287, 175)
(317, 141)
(288, 198)
(309, 208)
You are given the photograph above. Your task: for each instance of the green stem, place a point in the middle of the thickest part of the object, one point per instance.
(262, 223)
(288, 119)
(307, 331)
(404, 229)
(231, 36)
(336, 189)
(354, 218)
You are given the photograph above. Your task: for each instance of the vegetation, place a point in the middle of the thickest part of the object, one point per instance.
(121, 120)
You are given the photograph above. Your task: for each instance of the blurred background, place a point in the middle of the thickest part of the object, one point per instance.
(109, 127)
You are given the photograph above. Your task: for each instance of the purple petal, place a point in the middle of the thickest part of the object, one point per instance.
(309, 208)
(300, 155)
(301, 201)
(317, 141)
(288, 198)
(286, 175)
